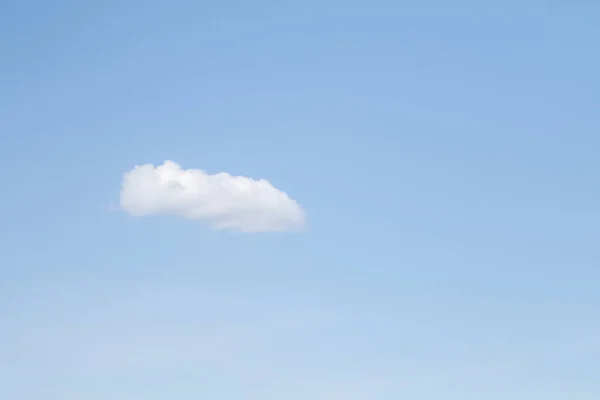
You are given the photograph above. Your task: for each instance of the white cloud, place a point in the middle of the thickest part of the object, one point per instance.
(221, 200)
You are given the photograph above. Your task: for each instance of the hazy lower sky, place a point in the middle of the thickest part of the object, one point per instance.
(299, 200)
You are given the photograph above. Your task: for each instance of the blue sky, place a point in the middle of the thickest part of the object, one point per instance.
(445, 156)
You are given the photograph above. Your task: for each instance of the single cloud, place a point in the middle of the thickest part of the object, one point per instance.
(220, 200)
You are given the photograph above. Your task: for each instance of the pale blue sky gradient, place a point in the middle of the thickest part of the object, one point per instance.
(446, 155)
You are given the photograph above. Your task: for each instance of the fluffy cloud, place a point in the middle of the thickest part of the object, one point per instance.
(221, 200)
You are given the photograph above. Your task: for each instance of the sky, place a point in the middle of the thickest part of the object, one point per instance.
(325, 200)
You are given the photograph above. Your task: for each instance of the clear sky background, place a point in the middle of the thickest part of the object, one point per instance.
(445, 155)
